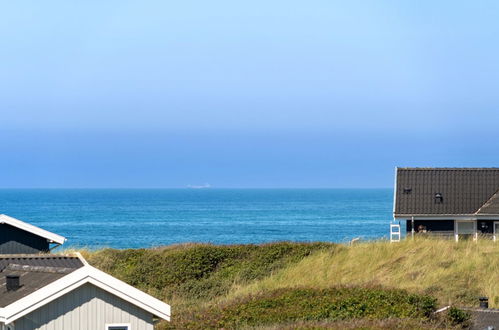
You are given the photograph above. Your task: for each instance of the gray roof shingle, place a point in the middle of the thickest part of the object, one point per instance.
(464, 191)
(35, 271)
(491, 206)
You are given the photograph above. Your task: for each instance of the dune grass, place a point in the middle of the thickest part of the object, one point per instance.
(193, 274)
(455, 273)
(226, 286)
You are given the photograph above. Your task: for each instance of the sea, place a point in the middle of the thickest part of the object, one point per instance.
(142, 218)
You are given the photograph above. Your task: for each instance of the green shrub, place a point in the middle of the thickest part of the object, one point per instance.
(284, 306)
(199, 271)
(457, 316)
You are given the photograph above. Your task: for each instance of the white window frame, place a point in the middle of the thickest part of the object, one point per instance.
(456, 224)
(495, 233)
(128, 325)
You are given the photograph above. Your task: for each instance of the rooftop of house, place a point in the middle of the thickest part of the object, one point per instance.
(51, 237)
(34, 271)
(446, 191)
(28, 281)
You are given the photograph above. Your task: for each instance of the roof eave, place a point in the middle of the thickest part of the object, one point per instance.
(409, 215)
(51, 237)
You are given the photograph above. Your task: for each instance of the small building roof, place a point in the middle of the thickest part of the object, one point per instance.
(52, 276)
(53, 238)
(463, 191)
(35, 272)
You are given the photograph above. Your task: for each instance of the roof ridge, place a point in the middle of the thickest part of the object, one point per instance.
(451, 168)
(41, 269)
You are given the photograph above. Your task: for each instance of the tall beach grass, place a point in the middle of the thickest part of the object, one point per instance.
(205, 283)
(453, 272)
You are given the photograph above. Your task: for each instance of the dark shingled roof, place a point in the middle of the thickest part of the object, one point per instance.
(464, 191)
(36, 271)
(491, 206)
(483, 318)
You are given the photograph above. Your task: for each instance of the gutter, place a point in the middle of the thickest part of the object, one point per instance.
(450, 216)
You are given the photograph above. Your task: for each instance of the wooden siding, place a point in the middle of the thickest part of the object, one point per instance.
(86, 308)
(17, 241)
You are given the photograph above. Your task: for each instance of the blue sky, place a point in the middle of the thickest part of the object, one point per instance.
(244, 94)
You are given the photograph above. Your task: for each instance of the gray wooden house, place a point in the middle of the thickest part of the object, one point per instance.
(63, 292)
(454, 203)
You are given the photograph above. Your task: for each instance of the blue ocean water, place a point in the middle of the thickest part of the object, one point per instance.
(133, 218)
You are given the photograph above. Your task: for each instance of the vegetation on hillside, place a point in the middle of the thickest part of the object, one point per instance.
(307, 304)
(310, 286)
(455, 273)
(196, 273)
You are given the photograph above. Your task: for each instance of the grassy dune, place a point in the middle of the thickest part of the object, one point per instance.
(455, 273)
(316, 285)
(195, 274)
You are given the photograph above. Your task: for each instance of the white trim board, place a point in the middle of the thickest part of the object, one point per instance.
(54, 238)
(395, 189)
(68, 283)
(127, 325)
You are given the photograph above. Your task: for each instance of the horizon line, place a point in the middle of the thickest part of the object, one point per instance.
(179, 188)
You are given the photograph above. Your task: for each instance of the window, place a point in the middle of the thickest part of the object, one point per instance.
(118, 327)
(465, 230)
(466, 227)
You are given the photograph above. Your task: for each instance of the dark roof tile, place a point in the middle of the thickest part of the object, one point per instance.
(35, 271)
(491, 206)
(463, 191)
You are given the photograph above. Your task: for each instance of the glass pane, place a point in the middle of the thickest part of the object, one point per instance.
(465, 228)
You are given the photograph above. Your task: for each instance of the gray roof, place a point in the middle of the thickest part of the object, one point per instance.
(35, 271)
(483, 318)
(464, 191)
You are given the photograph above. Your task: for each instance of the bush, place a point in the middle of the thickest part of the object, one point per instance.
(199, 271)
(458, 317)
(306, 304)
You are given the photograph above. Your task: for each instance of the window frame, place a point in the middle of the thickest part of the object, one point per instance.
(127, 325)
(456, 229)
(496, 233)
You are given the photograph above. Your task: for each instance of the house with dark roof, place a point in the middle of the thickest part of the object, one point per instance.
(457, 203)
(40, 290)
(17, 236)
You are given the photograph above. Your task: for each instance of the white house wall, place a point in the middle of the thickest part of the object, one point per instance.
(85, 308)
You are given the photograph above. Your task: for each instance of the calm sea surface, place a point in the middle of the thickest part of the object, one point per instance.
(135, 218)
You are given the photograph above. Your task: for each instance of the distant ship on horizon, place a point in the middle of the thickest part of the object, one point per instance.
(204, 186)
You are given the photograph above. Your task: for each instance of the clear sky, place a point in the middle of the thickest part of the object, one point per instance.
(244, 93)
